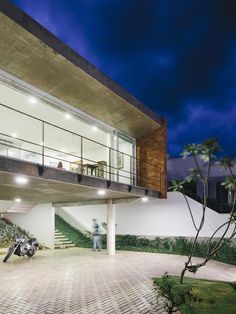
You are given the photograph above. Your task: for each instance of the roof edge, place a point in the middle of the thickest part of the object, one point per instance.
(36, 29)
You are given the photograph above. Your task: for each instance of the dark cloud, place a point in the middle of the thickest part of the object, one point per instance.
(196, 124)
(178, 57)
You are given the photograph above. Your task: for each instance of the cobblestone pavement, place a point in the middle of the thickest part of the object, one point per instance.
(80, 281)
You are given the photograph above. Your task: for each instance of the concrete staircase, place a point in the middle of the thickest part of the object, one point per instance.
(61, 241)
(14, 207)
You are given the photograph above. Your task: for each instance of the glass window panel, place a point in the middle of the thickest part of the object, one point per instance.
(95, 159)
(61, 146)
(18, 132)
(124, 161)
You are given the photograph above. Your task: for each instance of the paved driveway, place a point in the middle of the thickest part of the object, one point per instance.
(81, 281)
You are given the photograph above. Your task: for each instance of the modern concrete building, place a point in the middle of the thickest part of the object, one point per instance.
(178, 168)
(69, 135)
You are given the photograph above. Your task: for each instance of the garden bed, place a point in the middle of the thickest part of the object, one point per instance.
(199, 296)
(177, 246)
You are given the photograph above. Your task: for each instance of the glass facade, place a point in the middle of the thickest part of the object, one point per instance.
(38, 129)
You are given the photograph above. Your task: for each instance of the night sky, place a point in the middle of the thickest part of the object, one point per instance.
(178, 57)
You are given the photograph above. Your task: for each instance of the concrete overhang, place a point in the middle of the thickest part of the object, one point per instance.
(52, 185)
(31, 53)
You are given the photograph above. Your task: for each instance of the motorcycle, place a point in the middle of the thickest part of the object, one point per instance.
(22, 246)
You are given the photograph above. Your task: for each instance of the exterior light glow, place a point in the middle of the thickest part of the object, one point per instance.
(94, 128)
(17, 200)
(14, 134)
(32, 100)
(68, 116)
(101, 192)
(144, 199)
(21, 180)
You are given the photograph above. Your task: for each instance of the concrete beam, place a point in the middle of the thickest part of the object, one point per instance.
(95, 202)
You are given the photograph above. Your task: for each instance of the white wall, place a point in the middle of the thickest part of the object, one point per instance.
(68, 216)
(39, 222)
(165, 218)
(157, 217)
(83, 215)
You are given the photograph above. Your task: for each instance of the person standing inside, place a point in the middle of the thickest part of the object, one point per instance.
(97, 243)
(59, 165)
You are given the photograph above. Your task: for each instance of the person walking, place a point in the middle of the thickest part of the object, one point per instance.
(97, 243)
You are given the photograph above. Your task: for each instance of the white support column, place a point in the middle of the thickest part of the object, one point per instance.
(111, 232)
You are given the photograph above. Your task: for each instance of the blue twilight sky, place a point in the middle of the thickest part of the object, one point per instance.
(178, 57)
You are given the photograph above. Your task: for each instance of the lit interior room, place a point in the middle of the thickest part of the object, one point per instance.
(38, 128)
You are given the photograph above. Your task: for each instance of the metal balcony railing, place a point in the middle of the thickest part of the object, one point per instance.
(41, 149)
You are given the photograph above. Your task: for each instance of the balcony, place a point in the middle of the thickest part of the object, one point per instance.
(33, 140)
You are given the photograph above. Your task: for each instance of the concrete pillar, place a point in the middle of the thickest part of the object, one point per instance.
(111, 232)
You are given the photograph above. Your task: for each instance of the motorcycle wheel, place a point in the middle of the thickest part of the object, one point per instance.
(31, 253)
(9, 254)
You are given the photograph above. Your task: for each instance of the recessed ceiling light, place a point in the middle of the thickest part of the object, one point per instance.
(17, 200)
(13, 134)
(94, 128)
(101, 192)
(68, 116)
(144, 199)
(32, 100)
(21, 180)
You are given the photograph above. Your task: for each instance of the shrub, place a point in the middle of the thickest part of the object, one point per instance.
(124, 241)
(155, 243)
(181, 245)
(143, 242)
(8, 232)
(176, 293)
(178, 245)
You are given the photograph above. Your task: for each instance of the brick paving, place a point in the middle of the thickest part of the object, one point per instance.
(80, 281)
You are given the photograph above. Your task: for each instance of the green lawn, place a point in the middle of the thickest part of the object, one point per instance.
(208, 296)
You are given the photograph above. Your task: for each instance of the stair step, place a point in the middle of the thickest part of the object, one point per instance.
(61, 239)
(64, 246)
(63, 242)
